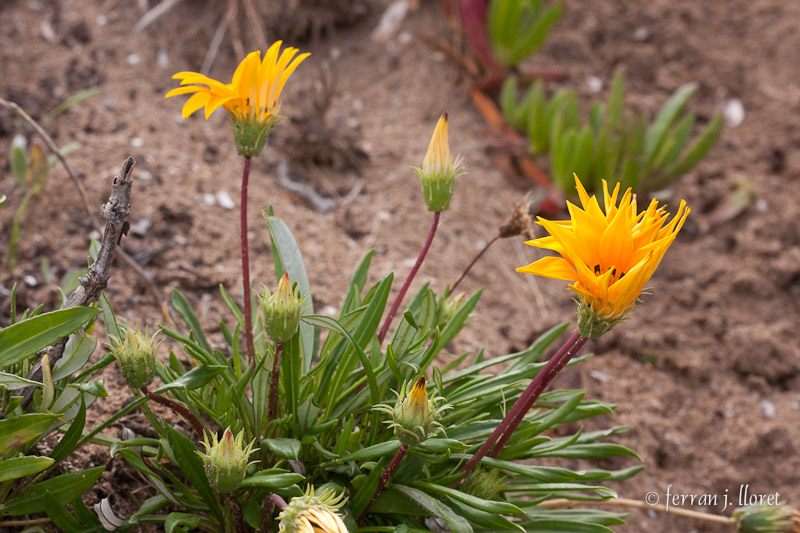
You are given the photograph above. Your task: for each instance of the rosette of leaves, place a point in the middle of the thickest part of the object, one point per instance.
(328, 435)
(517, 28)
(58, 404)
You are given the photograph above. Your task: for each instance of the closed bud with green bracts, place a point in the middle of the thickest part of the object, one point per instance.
(136, 355)
(281, 310)
(415, 416)
(439, 171)
(225, 460)
(487, 484)
(313, 514)
(449, 307)
(767, 519)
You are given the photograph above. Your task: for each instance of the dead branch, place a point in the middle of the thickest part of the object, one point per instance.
(115, 212)
(87, 205)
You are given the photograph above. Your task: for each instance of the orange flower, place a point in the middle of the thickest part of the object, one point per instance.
(609, 256)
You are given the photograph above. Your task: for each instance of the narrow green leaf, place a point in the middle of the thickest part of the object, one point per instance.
(95, 388)
(192, 467)
(700, 148)
(61, 517)
(65, 487)
(14, 382)
(456, 523)
(23, 429)
(194, 378)
(383, 449)
(77, 352)
(666, 117)
(18, 467)
(31, 335)
(282, 447)
(72, 437)
(184, 309)
(271, 481)
(19, 164)
(179, 521)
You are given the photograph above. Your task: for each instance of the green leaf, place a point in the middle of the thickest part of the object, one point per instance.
(19, 164)
(477, 503)
(382, 449)
(359, 502)
(274, 478)
(194, 378)
(77, 352)
(178, 521)
(18, 467)
(288, 258)
(192, 467)
(286, 448)
(181, 305)
(31, 335)
(666, 117)
(72, 437)
(14, 382)
(493, 521)
(700, 148)
(95, 388)
(23, 429)
(65, 487)
(109, 318)
(616, 102)
(456, 523)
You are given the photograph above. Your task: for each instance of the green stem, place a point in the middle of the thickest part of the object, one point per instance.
(410, 278)
(272, 404)
(248, 318)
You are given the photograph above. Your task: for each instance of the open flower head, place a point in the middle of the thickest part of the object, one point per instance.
(313, 514)
(252, 99)
(439, 172)
(609, 254)
(415, 415)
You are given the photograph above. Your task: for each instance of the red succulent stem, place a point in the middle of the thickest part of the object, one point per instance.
(248, 318)
(523, 403)
(548, 377)
(236, 510)
(385, 476)
(400, 295)
(474, 260)
(177, 408)
(272, 405)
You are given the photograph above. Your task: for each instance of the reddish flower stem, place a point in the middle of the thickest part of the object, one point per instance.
(177, 408)
(385, 476)
(272, 405)
(248, 318)
(522, 405)
(236, 510)
(472, 263)
(400, 295)
(549, 376)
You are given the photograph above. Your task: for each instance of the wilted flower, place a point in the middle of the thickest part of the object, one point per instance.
(414, 416)
(767, 519)
(251, 99)
(439, 172)
(609, 256)
(313, 514)
(136, 355)
(225, 460)
(281, 310)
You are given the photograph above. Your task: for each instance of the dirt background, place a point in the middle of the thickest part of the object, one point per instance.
(706, 371)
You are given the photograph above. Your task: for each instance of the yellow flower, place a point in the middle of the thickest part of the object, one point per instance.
(313, 514)
(439, 172)
(251, 99)
(608, 255)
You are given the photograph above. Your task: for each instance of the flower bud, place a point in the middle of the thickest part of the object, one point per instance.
(281, 310)
(136, 355)
(449, 307)
(313, 514)
(225, 460)
(487, 484)
(439, 172)
(767, 518)
(414, 416)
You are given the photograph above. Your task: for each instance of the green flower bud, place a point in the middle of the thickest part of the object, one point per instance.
(225, 460)
(591, 324)
(439, 172)
(136, 355)
(767, 519)
(313, 514)
(281, 310)
(414, 416)
(487, 484)
(250, 133)
(449, 307)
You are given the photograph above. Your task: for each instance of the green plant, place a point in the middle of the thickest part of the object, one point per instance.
(517, 28)
(59, 405)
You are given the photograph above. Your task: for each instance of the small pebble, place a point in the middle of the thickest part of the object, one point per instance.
(641, 34)
(595, 84)
(733, 112)
(768, 408)
(47, 31)
(101, 20)
(141, 226)
(329, 310)
(144, 175)
(224, 200)
(30, 281)
(208, 199)
(600, 376)
(137, 142)
(162, 59)
(19, 141)
(358, 104)
(133, 59)
(795, 405)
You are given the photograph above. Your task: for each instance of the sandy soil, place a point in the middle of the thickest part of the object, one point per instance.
(706, 371)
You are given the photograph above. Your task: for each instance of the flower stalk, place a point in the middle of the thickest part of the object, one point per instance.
(385, 477)
(236, 512)
(272, 403)
(177, 408)
(474, 260)
(400, 295)
(520, 408)
(248, 313)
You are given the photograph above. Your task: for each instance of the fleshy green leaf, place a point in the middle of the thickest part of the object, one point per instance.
(18, 467)
(286, 448)
(194, 378)
(23, 429)
(65, 487)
